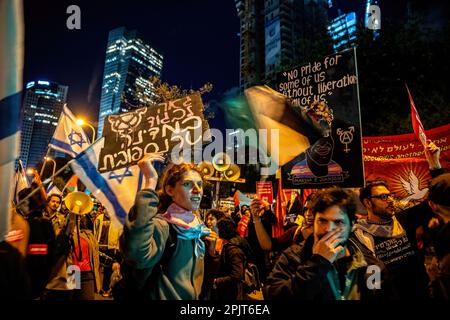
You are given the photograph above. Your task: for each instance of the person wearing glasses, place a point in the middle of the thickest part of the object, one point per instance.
(330, 264)
(391, 235)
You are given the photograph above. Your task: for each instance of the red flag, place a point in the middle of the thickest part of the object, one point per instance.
(305, 195)
(280, 211)
(242, 227)
(416, 123)
(236, 199)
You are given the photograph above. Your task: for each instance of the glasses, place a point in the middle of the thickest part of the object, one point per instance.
(383, 196)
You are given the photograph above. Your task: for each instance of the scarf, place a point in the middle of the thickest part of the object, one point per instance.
(187, 226)
(365, 230)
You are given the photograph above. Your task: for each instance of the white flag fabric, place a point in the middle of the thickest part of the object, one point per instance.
(21, 181)
(69, 137)
(52, 189)
(11, 70)
(116, 190)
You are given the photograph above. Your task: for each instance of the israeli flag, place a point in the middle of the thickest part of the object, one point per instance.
(116, 190)
(21, 181)
(11, 70)
(69, 137)
(52, 189)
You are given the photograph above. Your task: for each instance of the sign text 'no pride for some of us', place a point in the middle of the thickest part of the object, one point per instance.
(325, 95)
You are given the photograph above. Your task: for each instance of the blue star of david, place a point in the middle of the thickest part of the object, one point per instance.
(79, 141)
(120, 177)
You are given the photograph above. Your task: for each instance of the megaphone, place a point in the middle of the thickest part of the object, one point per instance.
(206, 168)
(232, 173)
(79, 203)
(221, 161)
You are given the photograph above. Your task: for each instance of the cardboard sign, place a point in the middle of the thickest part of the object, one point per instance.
(159, 128)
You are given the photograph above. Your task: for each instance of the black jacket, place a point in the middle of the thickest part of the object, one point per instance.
(441, 284)
(39, 265)
(14, 281)
(231, 271)
(300, 275)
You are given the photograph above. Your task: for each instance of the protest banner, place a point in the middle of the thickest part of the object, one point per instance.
(159, 128)
(400, 161)
(324, 95)
(264, 191)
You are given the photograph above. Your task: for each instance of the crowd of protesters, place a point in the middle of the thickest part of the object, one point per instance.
(170, 250)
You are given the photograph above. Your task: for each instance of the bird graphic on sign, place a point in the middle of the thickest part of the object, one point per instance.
(411, 186)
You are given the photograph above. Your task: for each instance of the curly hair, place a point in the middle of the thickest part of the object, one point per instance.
(170, 177)
(334, 196)
(227, 228)
(218, 214)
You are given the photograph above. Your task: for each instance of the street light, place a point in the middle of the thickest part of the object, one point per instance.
(33, 172)
(54, 163)
(46, 158)
(81, 122)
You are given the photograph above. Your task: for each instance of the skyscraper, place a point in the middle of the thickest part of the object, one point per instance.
(129, 63)
(42, 106)
(251, 15)
(343, 31)
(276, 33)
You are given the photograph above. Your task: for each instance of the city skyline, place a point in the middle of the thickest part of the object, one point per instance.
(198, 41)
(42, 106)
(129, 64)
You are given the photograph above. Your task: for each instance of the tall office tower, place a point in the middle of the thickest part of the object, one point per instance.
(129, 63)
(343, 31)
(42, 106)
(251, 15)
(276, 34)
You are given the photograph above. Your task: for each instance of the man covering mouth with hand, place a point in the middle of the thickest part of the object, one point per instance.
(331, 264)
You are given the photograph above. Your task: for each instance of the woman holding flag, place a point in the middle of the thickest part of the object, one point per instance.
(163, 237)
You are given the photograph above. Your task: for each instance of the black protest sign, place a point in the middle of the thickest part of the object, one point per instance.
(325, 93)
(158, 128)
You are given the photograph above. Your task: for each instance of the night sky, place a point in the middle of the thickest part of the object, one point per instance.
(198, 39)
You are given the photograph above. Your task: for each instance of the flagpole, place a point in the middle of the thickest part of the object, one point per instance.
(42, 183)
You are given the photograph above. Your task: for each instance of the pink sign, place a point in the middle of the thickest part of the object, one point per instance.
(264, 191)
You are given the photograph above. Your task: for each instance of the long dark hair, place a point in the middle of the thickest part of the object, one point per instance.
(170, 177)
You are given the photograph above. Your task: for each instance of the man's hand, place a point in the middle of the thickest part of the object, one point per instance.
(432, 153)
(257, 208)
(329, 246)
(149, 172)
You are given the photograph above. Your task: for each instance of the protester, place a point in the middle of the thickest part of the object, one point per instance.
(439, 200)
(85, 255)
(148, 227)
(264, 218)
(392, 236)
(19, 232)
(228, 283)
(306, 228)
(14, 280)
(212, 256)
(331, 265)
(41, 243)
(51, 212)
(76, 246)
